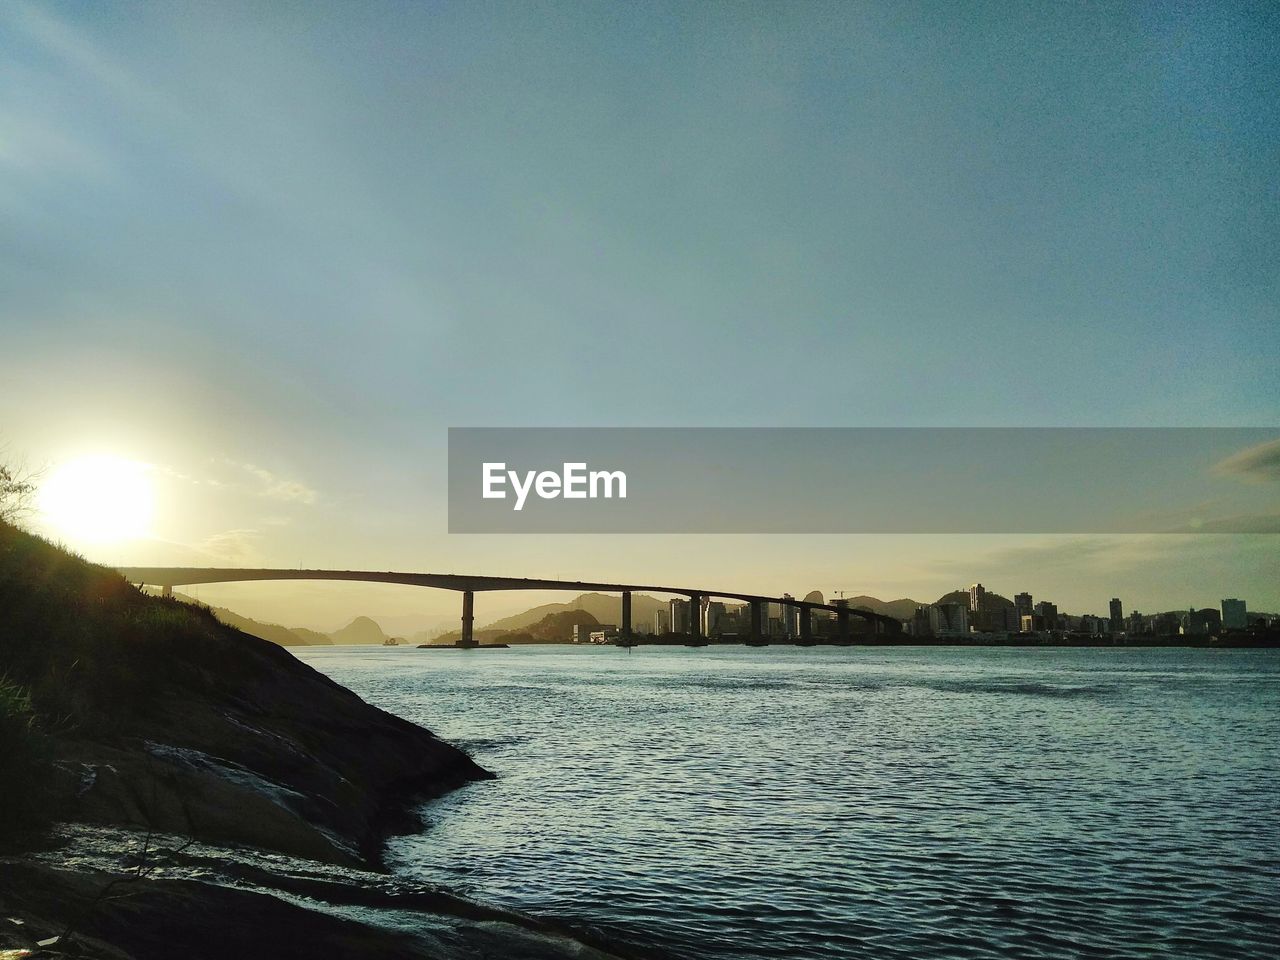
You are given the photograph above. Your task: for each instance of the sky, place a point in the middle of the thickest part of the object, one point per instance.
(271, 252)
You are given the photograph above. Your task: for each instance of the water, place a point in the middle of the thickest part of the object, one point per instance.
(858, 802)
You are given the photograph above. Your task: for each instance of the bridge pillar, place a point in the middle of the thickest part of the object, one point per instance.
(842, 625)
(806, 624)
(468, 618)
(625, 626)
(756, 616)
(695, 616)
(166, 591)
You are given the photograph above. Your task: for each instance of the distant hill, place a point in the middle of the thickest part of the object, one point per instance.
(359, 630)
(284, 636)
(994, 600)
(903, 609)
(553, 628)
(605, 608)
(309, 637)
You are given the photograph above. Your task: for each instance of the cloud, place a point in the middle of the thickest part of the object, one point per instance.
(237, 548)
(1258, 464)
(274, 487)
(1052, 554)
(1240, 523)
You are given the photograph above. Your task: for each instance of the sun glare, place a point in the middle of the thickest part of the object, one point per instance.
(99, 499)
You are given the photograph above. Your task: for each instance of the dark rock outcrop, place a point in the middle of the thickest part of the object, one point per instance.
(160, 717)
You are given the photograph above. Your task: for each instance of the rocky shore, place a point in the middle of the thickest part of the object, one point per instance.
(148, 716)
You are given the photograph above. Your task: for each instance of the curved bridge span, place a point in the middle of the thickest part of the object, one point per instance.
(468, 586)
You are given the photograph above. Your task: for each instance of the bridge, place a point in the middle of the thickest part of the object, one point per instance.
(169, 577)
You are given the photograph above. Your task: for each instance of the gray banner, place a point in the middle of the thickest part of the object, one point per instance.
(864, 480)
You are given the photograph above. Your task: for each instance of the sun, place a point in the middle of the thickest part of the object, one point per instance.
(100, 499)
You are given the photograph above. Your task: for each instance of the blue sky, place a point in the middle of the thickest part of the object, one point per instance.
(310, 238)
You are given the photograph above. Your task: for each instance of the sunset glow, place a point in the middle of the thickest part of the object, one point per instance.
(99, 499)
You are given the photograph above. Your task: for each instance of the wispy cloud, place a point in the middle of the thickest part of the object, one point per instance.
(1257, 464)
(235, 547)
(1240, 523)
(274, 487)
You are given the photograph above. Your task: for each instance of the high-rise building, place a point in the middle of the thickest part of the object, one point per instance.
(1022, 604)
(1235, 616)
(714, 616)
(790, 618)
(977, 598)
(920, 623)
(1117, 615)
(1049, 613)
(678, 616)
(661, 622)
(949, 619)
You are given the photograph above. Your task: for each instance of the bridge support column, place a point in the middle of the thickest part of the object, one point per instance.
(806, 625)
(625, 625)
(166, 591)
(842, 625)
(757, 634)
(695, 617)
(468, 618)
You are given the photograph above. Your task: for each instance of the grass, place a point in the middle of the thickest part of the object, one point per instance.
(23, 761)
(88, 649)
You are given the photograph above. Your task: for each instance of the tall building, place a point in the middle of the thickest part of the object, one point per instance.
(949, 619)
(1117, 615)
(678, 616)
(977, 598)
(1200, 623)
(920, 626)
(790, 618)
(1022, 605)
(1049, 614)
(661, 622)
(1234, 614)
(714, 617)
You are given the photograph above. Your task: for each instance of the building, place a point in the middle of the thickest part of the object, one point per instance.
(949, 619)
(977, 598)
(1022, 605)
(714, 618)
(661, 622)
(920, 626)
(1048, 612)
(678, 616)
(1117, 615)
(1032, 623)
(1201, 623)
(1136, 626)
(790, 618)
(1234, 615)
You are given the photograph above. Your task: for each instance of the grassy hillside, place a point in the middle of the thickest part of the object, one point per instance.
(160, 716)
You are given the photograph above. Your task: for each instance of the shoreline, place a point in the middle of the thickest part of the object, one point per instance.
(147, 724)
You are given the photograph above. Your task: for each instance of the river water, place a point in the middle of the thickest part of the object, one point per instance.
(829, 802)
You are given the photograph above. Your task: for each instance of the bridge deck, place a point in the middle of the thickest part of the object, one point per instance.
(187, 576)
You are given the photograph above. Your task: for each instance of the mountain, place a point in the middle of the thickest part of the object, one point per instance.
(553, 628)
(602, 606)
(309, 637)
(903, 609)
(284, 636)
(359, 630)
(993, 600)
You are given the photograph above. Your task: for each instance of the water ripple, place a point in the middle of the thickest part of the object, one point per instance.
(838, 803)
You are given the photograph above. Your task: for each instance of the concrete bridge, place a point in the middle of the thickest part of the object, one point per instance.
(169, 577)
